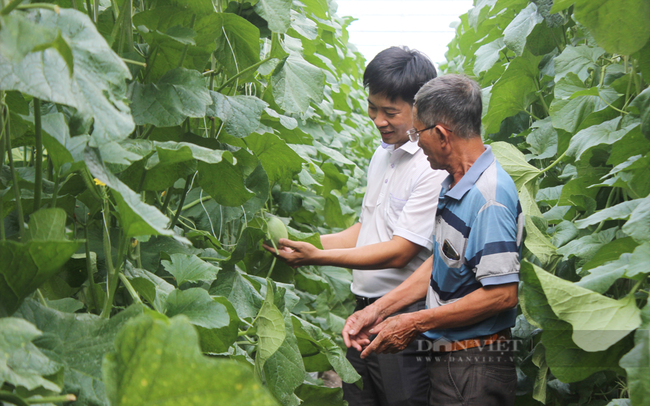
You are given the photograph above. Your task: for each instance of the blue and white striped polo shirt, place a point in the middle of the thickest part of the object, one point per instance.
(478, 235)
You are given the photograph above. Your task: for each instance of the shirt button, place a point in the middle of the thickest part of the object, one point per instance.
(392, 165)
(386, 181)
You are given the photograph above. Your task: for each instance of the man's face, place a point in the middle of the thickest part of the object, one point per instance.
(430, 144)
(392, 118)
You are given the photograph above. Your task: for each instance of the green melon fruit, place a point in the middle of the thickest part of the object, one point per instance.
(276, 230)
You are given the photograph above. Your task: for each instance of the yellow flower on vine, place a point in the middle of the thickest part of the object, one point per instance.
(99, 182)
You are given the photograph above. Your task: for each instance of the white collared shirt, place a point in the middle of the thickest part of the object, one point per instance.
(400, 200)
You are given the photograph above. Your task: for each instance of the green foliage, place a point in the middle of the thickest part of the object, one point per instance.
(169, 132)
(566, 111)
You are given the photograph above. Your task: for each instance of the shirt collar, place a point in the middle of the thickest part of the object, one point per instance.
(471, 176)
(410, 147)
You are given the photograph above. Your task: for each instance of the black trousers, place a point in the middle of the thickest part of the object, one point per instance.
(481, 376)
(391, 379)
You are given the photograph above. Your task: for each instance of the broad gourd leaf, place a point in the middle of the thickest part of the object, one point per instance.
(577, 60)
(642, 103)
(238, 41)
(215, 318)
(240, 114)
(487, 55)
(621, 211)
(224, 182)
(539, 244)
(295, 83)
(136, 216)
(605, 133)
(60, 146)
(171, 152)
(276, 13)
(313, 395)
(151, 287)
(284, 370)
(24, 266)
(179, 94)
(619, 26)
(638, 226)
(239, 291)
(79, 342)
(323, 342)
(598, 322)
(513, 92)
(543, 139)
(190, 268)
(270, 330)
(156, 360)
(20, 36)
(513, 161)
(198, 7)
(21, 362)
(97, 88)
(637, 361)
(516, 33)
(278, 160)
(567, 361)
(602, 277)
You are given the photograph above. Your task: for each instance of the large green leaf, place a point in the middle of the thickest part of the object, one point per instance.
(487, 55)
(642, 103)
(60, 146)
(598, 321)
(621, 211)
(513, 92)
(19, 36)
(278, 160)
(637, 361)
(605, 133)
(21, 362)
(638, 226)
(214, 318)
(276, 13)
(224, 182)
(79, 342)
(239, 291)
(179, 94)
(577, 60)
(97, 87)
(149, 286)
(567, 361)
(284, 370)
(136, 216)
(240, 114)
(520, 27)
(239, 46)
(270, 330)
(24, 266)
(539, 244)
(295, 83)
(514, 162)
(190, 268)
(323, 343)
(158, 361)
(619, 26)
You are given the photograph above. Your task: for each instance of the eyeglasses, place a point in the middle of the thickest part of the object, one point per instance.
(414, 135)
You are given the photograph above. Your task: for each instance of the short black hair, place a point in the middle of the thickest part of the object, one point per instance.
(398, 72)
(453, 101)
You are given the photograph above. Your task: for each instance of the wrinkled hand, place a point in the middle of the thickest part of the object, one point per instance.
(295, 253)
(393, 335)
(356, 332)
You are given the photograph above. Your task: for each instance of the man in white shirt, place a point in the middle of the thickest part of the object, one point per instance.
(394, 234)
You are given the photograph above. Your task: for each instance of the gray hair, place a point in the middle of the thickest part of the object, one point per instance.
(453, 101)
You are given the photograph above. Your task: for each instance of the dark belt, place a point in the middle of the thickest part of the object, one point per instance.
(363, 301)
(501, 336)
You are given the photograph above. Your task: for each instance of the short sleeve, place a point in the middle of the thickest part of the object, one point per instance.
(492, 250)
(417, 218)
